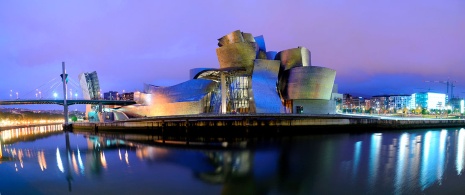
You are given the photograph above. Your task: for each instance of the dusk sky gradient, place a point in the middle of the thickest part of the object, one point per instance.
(376, 47)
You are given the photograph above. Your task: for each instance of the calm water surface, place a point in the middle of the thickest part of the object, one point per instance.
(44, 160)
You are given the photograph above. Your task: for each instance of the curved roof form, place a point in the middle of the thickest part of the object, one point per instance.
(295, 57)
(239, 55)
(308, 82)
(191, 90)
(214, 73)
(195, 71)
(233, 37)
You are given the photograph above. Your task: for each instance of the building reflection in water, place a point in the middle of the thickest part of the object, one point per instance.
(375, 148)
(397, 162)
(460, 150)
(357, 151)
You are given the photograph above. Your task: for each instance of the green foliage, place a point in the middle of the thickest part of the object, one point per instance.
(73, 117)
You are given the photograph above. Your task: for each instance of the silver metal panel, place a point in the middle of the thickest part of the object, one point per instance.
(237, 55)
(292, 58)
(233, 37)
(84, 88)
(90, 85)
(248, 37)
(307, 82)
(270, 55)
(261, 43)
(184, 98)
(316, 106)
(195, 71)
(264, 79)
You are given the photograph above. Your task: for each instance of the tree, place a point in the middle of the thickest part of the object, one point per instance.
(73, 118)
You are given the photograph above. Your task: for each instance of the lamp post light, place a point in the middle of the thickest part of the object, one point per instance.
(17, 95)
(40, 94)
(55, 95)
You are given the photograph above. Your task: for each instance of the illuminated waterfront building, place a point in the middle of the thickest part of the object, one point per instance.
(111, 95)
(429, 100)
(456, 104)
(90, 85)
(249, 79)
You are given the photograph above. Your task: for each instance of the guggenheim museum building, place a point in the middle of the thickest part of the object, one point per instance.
(249, 79)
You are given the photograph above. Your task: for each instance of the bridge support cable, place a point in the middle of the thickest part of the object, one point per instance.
(38, 92)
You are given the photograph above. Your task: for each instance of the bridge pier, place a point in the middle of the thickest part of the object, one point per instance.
(65, 96)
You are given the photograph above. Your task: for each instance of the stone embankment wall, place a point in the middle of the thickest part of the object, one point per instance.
(265, 123)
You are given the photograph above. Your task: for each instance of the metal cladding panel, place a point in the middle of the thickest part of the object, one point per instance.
(84, 88)
(292, 58)
(262, 55)
(192, 90)
(237, 55)
(261, 43)
(248, 37)
(308, 82)
(316, 106)
(271, 55)
(166, 109)
(233, 37)
(195, 71)
(264, 78)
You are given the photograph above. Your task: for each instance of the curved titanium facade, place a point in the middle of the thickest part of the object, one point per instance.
(185, 98)
(237, 55)
(248, 37)
(292, 58)
(308, 82)
(264, 92)
(195, 71)
(234, 37)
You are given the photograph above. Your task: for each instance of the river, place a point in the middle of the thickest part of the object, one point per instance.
(44, 160)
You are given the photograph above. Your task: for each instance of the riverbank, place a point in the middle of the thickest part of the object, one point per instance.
(25, 126)
(264, 124)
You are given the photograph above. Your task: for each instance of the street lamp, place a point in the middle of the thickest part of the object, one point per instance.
(55, 95)
(17, 96)
(40, 94)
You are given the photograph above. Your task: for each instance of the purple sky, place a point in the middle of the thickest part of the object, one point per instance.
(376, 47)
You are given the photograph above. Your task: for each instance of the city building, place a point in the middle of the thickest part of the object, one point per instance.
(90, 86)
(429, 100)
(111, 95)
(456, 105)
(249, 79)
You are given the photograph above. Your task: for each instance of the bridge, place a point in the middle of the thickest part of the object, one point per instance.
(48, 94)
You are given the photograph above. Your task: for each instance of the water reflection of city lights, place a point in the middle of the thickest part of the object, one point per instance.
(460, 150)
(357, 150)
(59, 162)
(42, 162)
(402, 159)
(81, 165)
(119, 152)
(375, 147)
(442, 155)
(103, 160)
(75, 166)
(126, 156)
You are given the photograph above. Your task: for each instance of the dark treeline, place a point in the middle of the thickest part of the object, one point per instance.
(29, 116)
